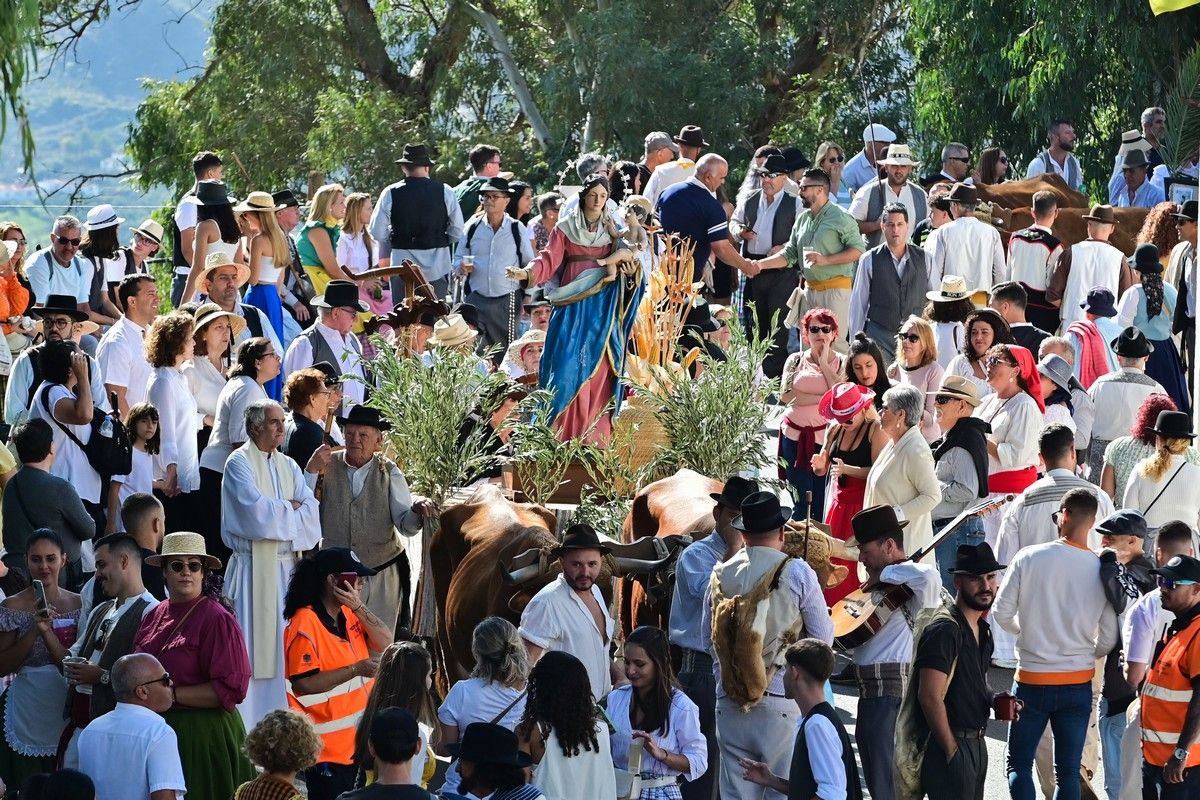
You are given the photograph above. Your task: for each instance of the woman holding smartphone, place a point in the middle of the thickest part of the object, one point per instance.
(37, 625)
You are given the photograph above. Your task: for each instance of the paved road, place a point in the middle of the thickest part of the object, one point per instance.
(997, 735)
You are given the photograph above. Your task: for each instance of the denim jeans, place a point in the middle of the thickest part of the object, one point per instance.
(801, 480)
(969, 532)
(1066, 709)
(1112, 730)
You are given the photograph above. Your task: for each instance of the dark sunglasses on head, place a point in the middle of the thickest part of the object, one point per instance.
(910, 337)
(820, 329)
(165, 680)
(69, 242)
(191, 566)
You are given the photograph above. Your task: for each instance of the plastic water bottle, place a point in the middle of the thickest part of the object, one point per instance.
(106, 427)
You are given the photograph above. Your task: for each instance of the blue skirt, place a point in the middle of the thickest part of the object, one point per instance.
(265, 297)
(1165, 367)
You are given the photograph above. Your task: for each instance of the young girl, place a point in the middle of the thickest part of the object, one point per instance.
(142, 424)
(403, 679)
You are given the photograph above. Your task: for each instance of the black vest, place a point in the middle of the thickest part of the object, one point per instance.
(894, 297)
(785, 218)
(801, 780)
(177, 259)
(118, 642)
(419, 217)
(253, 321)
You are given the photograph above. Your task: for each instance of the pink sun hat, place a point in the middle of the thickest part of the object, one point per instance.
(843, 401)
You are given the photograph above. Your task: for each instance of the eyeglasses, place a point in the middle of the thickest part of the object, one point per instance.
(57, 322)
(65, 241)
(909, 337)
(143, 240)
(1003, 159)
(992, 361)
(191, 566)
(269, 354)
(165, 680)
(1170, 583)
(820, 329)
(1057, 516)
(496, 161)
(835, 159)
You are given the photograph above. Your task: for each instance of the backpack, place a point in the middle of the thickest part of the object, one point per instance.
(912, 733)
(109, 450)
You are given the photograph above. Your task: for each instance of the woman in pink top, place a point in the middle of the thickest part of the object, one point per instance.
(917, 365)
(807, 376)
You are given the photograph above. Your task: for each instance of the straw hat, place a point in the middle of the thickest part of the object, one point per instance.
(209, 313)
(85, 328)
(258, 201)
(151, 230)
(899, 155)
(184, 544)
(102, 216)
(954, 288)
(216, 260)
(532, 336)
(451, 331)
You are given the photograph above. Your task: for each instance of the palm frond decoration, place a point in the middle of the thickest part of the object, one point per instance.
(1183, 113)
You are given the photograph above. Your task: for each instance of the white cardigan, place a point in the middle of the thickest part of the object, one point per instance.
(904, 477)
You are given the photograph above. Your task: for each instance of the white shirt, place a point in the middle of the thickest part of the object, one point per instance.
(893, 643)
(229, 423)
(556, 619)
(300, 355)
(825, 757)
(407, 521)
(1179, 500)
(862, 201)
(70, 462)
(186, 218)
(1026, 521)
(667, 175)
(47, 277)
(1145, 623)
(206, 382)
(1038, 167)
(352, 252)
(1121, 398)
(1016, 424)
(959, 365)
(138, 479)
(476, 700)
(683, 735)
(435, 263)
(972, 249)
(764, 224)
(171, 395)
(129, 753)
(122, 357)
(115, 612)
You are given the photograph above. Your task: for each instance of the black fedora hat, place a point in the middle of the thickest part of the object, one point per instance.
(286, 198)
(415, 155)
(537, 299)
(1132, 343)
(486, 743)
(699, 317)
(469, 313)
(496, 184)
(775, 164)
(332, 376)
(340, 294)
(876, 522)
(581, 536)
(963, 193)
(1173, 425)
(976, 559)
(736, 490)
(761, 513)
(60, 304)
(692, 136)
(1145, 258)
(1187, 211)
(795, 159)
(364, 415)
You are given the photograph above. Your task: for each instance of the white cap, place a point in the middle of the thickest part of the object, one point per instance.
(878, 133)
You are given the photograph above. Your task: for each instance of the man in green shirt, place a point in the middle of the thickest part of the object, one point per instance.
(827, 239)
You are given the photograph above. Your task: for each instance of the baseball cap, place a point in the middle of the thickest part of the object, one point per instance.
(657, 140)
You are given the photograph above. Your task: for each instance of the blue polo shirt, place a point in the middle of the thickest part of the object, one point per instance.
(689, 209)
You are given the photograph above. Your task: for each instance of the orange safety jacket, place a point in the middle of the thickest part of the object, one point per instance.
(309, 646)
(1166, 695)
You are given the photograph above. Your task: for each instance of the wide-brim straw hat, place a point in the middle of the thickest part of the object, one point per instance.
(184, 543)
(954, 288)
(451, 331)
(218, 259)
(899, 155)
(209, 313)
(532, 336)
(258, 201)
(84, 328)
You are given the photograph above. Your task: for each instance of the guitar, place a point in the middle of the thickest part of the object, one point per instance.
(859, 615)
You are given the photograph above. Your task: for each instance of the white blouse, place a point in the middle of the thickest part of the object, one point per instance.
(1016, 424)
(206, 382)
(950, 337)
(352, 252)
(170, 394)
(1179, 500)
(683, 735)
(229, 423)
(960, 366)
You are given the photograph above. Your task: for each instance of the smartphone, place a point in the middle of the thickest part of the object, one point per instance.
(348, 579)
(39, 591)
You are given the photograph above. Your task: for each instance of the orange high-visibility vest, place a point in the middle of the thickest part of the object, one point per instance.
(308, 645)
(1166, 695)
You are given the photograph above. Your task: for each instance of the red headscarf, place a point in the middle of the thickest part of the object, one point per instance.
(1027, 365)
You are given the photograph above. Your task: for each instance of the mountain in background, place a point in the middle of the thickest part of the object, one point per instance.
(81, 110)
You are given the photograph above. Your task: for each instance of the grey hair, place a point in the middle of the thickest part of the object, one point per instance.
(1149, 113)
(589, 164)
(954, 150)
(256, 415)
(66, 222)
(499, 654)
(708, 163)
(907, 399)
(1060, 345)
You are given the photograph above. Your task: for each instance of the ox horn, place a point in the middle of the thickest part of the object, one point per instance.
(525, 567)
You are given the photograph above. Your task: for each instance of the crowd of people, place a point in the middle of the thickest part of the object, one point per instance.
(229, 617)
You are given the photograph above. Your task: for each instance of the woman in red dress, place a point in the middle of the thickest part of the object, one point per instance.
(853, 442)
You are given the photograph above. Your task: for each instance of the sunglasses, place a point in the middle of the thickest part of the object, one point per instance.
(1003, 159)
(68, 242)
(992, 361)
(942, 399)
(191, 566)
(835, 159)
(1171, 583)
(820, 329)
(165, 680)
(964, 159)
(909, 337)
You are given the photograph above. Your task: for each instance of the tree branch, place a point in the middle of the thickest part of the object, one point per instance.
(366, 46)
(77, 183)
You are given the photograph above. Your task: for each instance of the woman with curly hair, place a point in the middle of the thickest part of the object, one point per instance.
(403, 680)
(565, 732)
(984, 329)
(1163, 486)
(1159, 230)
(283, 744)
(1124, 453)
(1149, 306)
(169, 343)
(653, 710)
(865, 367)
(495, 693)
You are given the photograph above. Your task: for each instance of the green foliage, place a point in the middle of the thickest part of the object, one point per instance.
(1000, 72)
(539, 458)
(428, 407)
(18, 35)
(1183, 113)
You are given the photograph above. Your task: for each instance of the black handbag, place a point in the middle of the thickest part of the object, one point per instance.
(108, 450)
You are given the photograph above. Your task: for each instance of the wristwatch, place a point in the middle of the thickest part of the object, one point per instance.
(1181, 755)
(105, 677)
